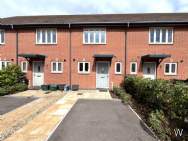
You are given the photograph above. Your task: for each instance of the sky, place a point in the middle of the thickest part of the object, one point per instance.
(10, 8)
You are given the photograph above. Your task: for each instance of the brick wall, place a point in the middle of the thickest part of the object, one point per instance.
(138, 45)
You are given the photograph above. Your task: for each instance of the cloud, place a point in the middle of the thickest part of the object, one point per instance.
(50, 7)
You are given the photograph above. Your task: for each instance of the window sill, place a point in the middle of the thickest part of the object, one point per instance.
(170, 74)
(84, 73)
(160, 43)
(56, 72)
(94, 43)
(46, 43)
(133, 73)
(118, 73)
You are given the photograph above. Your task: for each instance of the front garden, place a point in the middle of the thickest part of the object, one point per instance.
(162, 104)
(12, 80)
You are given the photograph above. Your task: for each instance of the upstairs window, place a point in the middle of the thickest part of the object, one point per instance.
(24, 66)
(133, 68)
(118, 68)
(170, 68)
(2, 36)
(83, 67)
(4, 64)
(94, 36)
(161, 35)
(57, 67)
(46, 36)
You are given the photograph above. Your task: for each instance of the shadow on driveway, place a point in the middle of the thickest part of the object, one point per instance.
(100, 120)
(9, 103)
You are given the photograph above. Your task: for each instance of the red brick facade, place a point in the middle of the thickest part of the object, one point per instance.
(126, 44)
(138, 45)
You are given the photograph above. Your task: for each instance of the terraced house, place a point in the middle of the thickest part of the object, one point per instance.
(96, 51)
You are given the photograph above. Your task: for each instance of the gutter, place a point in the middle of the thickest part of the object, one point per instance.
(123, 22)
(129, 24)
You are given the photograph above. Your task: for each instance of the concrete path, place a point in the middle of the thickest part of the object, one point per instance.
(41, 127)
(101, 120)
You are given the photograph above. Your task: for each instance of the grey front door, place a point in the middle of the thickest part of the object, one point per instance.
(38, 73)
(149, 70)
(102, 76)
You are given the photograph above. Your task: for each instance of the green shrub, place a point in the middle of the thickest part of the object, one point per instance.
(12, 80)
(126, 98)
(131, 84)
(21, 87)
(160, 94)
(159, 124)
(179, 105)
(3, 91)
(120, 92)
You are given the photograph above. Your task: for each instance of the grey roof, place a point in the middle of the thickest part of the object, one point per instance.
(97, 18)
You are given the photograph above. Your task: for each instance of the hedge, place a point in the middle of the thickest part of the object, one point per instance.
(161, 96)
(121, 93)
(12, 80)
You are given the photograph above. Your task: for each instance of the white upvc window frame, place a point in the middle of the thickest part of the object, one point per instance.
(22, 66)
(170, 68)
(84, 71)
(131, 63)
(46, 36)
(1, 30)
(56, 71)
(6, 63)
(116, 67)
(161, 28)
(89, 30)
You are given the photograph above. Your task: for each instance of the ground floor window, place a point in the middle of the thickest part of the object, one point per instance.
(57, 67)
(24, 65)
(83, 67)
(170, 69)
(4, 64)
(133, 68)
(118, 68)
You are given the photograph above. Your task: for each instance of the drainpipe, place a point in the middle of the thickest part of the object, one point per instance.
(70, 57)
(16, 47)
(12, 27)
(126, 49)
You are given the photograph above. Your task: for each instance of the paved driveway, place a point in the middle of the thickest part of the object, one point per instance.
(9, 103)
(100, 120)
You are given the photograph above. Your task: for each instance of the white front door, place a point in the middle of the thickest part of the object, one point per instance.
(102, 76)
(38, 73)
(149, 70)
